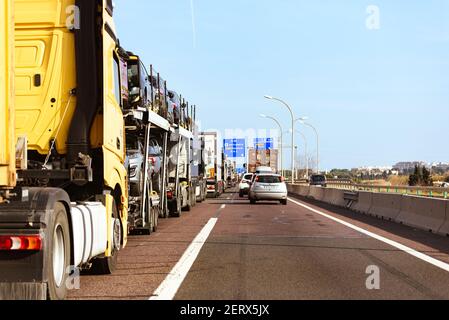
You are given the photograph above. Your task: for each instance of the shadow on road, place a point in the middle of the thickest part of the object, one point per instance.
(435, 241)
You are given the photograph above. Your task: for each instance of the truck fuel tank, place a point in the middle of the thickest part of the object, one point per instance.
(90, 234)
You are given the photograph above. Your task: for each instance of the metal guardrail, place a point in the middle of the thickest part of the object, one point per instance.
(432, 192)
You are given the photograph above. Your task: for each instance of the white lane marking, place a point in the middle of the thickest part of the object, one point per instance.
(170, 286)
(223, 206)
(419, 255)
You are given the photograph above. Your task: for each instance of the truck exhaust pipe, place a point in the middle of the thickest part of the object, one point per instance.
(89, 73)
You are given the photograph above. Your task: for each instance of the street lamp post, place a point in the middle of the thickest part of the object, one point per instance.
(303, 121)
(282, 143)
(293, 132)
(305, 150)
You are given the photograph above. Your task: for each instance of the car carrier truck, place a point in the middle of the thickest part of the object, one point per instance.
(199, 180)
(147, 133)
(181, 192)
(64, 193)
(214, 164)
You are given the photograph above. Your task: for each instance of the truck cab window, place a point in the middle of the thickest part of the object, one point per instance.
(117, 91)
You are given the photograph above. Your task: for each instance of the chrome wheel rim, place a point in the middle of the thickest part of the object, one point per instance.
(58, 255)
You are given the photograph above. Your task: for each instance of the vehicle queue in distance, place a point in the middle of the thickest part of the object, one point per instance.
(265, 185)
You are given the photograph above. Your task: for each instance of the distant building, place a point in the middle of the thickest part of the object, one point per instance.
(373, 172)
(408, 167)
(440, 167)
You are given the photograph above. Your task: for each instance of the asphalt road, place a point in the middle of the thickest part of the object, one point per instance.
(269, 251)
(273, 252)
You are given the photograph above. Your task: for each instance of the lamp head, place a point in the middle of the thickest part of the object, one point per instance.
(268, 97)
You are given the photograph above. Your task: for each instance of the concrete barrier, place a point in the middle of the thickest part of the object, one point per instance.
(337, 197)
(424, 213)
(304, 191)
(363, 205)
(444, 230)
(327, 195)
(298, 190)
(428, 214)
(294, 189)
(385, 205)
(316, 193)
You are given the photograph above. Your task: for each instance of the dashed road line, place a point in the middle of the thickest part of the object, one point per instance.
(170, 286)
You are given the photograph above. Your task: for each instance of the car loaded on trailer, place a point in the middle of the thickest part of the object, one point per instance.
(146, 134)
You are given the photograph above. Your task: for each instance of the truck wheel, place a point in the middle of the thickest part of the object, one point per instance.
(203, 194)
(148, 228)
(58, 255)
(194, 197)
(188, 208)
(200, 199)
(107, 265)
(176, 208)
(241, 194)
(189, 205)
(155, 219)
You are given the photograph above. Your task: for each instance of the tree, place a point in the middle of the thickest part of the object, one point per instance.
(421, 177)
(426, 177)
(414, 178)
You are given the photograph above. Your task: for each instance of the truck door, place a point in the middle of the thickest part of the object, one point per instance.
(44, 73)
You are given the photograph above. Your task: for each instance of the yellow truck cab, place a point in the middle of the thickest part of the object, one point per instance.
(7, 140)
(71, 198)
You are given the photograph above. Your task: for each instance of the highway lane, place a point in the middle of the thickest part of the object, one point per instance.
(147, 260)
(269, 251)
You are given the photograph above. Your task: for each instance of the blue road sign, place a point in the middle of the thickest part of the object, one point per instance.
(264, 143)
(234, 148)
(241, 170)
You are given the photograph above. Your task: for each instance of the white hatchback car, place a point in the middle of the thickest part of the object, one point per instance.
(245, 184)
(270, 187)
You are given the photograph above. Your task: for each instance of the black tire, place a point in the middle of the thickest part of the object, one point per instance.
(177, 208)
(284, 202)
(203, 193)
(107, 265)
(148, 228)
(241, 194)
(252, 201)
(58, 231)
(200, 198)
(189, 206)
(194, 197)
(155, 219)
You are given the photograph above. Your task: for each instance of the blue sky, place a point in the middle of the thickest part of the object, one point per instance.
(376, 96)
